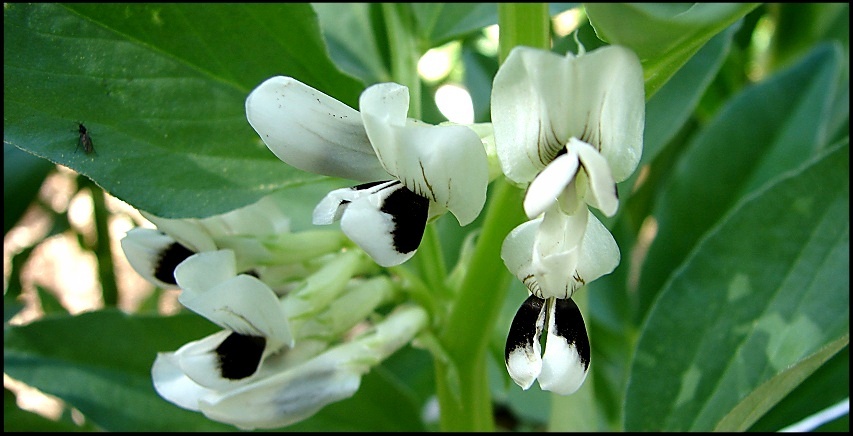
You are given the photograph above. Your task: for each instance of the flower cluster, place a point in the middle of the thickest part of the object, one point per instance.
(567, 128)
(286, 303)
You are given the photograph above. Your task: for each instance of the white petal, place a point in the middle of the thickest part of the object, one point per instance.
(550, 183)
(612, 86)
(541, 99)
(600, 253)
(311, 131)
(517, 253)
(186, 231)
(557, 252)
(154, 255)
(224, 360)
(284, 399)
(446, 164)
(602, 187)
(530, 101)
(171, 383)
(331, 208)
(523, 352)
(567, 353)
(204, 271)
(387, 224)
(294, 393)
(245, 305)
(262, 218)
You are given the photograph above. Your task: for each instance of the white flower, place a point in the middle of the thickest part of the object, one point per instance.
(414, 171)
(292, 385)
(570, 126)
(553, 256)
(259, 235)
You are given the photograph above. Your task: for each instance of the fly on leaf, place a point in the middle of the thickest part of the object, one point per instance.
(85, 140)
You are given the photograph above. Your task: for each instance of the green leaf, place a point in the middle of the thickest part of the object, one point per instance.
(828, 386)
(664, 35)
(668, 109)
(161, 89)
(100, 363)
(765, 130)
(760, 295)
(353, 43)
(439, 23)
(772, 391)
(23, 175)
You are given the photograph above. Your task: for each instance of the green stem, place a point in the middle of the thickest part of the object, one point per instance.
(102, 248)
(462, 378)
(405, 53)
(523, 24)
(462, 382)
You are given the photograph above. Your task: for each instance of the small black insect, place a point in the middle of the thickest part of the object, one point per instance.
(85, 140)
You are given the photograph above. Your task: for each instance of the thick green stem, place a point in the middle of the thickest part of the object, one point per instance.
(462, 378)
(463, 391)
(405, 53)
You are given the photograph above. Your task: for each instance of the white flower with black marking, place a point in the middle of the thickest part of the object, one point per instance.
(259, 235)
(553, 256)
(569, 126)
(413, 171)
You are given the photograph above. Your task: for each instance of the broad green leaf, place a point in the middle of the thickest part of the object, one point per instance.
(23, 175)
(353, 42)
(668, 109)
(765, 130)
(161, 89)
(828, 386)
(772, 391)
(664, 35)
(763, 292)
(100, 363)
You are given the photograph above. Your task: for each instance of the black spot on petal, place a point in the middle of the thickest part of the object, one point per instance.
(522, 331)
(239, 355)
(409, 212)
(569, 324)
(170, 258)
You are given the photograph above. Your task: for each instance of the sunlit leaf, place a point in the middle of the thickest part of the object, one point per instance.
(664, 35)
(766, 130)
(750, 303)
(161, 89)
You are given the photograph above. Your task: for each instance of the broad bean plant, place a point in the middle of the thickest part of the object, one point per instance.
(641, 223)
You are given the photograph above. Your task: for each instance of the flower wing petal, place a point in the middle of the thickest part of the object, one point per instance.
(387, 224)
(602, 187)
(171, 383)
(517, 253)
(523, 354)
(154, 255)
(245, 305)
(312, 131)
(446, 164)
(186, 231)
(547, 186)
(567, 353)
